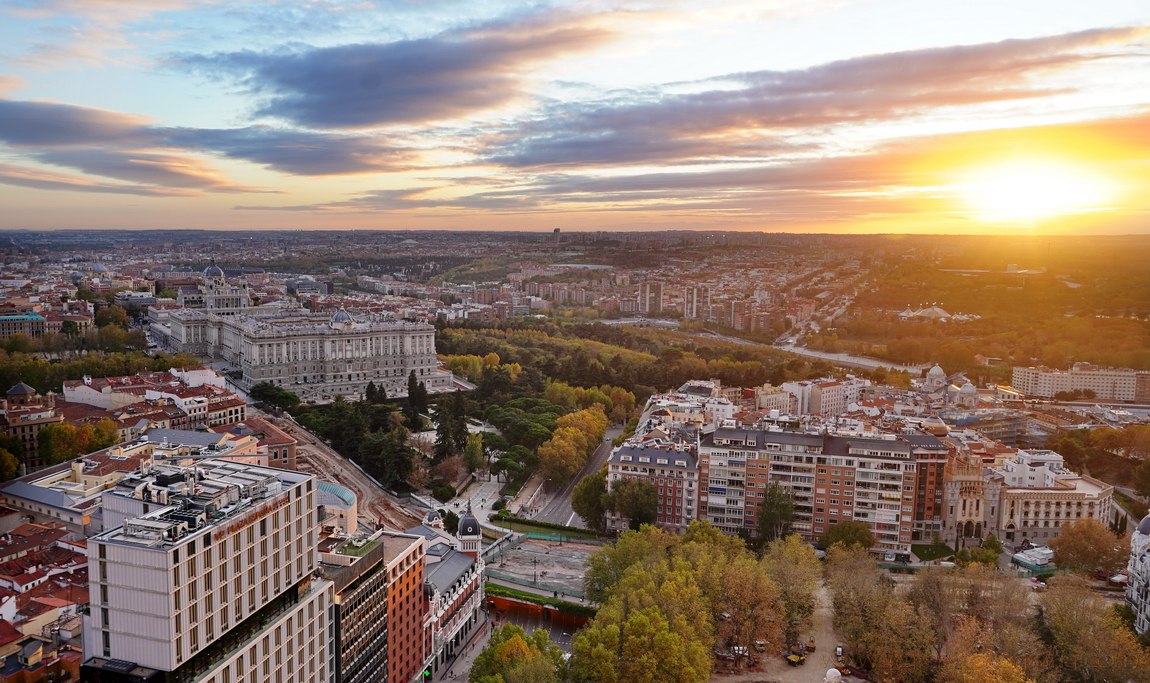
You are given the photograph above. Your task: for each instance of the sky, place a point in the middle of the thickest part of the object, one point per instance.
(842, 116)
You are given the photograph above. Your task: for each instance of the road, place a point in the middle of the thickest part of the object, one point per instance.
(836, 358)
(556, 507)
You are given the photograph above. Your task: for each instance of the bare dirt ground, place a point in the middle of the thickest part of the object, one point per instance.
(552, 565)
(316, 457)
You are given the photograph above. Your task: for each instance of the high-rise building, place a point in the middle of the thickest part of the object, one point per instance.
(651, 298)
(212, 579)
(374, 642)
(696, 302)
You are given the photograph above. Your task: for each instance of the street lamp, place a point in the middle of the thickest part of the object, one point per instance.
(534, 571)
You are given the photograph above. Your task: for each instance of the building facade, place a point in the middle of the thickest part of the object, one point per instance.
(366, 571)
(23, 413)
(1138, 569)
(213, 583)
(1112, 384)
(671, 469)
(313, 354)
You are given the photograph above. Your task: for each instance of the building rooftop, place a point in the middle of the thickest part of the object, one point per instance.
(197, 500)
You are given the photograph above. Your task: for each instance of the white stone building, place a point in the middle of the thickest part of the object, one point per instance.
(1138, 588)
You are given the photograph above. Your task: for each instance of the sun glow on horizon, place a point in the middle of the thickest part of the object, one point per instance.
(1031, 190)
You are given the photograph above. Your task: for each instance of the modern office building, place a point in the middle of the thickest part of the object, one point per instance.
(212, 579)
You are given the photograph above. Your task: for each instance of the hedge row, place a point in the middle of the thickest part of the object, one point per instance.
(564, 606)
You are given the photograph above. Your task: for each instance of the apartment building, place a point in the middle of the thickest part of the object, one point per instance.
(366, 571)
(885, 480)
(214, 582)
(1111, 384)
(672, 469)
(23, 413)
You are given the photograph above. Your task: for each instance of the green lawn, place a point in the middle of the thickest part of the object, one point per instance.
(933, 551)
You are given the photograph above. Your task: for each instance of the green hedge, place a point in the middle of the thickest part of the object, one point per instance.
(561, 605)
(506, 516)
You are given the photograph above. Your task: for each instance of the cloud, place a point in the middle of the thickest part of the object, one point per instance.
(444, 77)
(148, 167)
(897, 181)
(51, 124)
(43, 180)
(765, 106)
(10, 83)
(298, 152)
(114, 144)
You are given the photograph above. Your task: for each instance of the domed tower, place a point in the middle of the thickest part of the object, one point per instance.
(935, 379)
(1138, 587)
(341, 320)
(213, 273)
(470, 536)
(968, 396)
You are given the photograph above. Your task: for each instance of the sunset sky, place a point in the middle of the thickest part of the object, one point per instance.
(963, 116)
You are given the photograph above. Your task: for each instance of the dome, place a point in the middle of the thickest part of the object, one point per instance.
(432, 516)
(341, 317)
(938, 372)
(1144, 526)
(832, 675)
(968, 388)
(213, 271)
(468, 525)
(21, 389)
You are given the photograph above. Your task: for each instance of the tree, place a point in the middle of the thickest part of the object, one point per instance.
(274, 395)
(775, 514)
(851, 534)
(561, 456)
(860, 597)
(1089, 642)
(751, 607)
(1142, 478)
(9, 465)
(796, 570)
(591, 501)
(1086, 545)
(606, 567)
(416, 401)
(987, 668)
(900, 647)
(458, 423)
(974, 655)
(387, 457)
(654, 629)
(111, 315)
(474, 457)
(933, 595)
(444, 438)
(636, 500)
(513, 656)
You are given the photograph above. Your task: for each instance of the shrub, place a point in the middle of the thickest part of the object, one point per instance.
(443, 492)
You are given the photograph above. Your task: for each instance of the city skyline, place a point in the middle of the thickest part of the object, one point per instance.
(852, 116)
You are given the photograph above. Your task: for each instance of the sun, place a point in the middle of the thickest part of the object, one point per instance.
(1028, 191)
